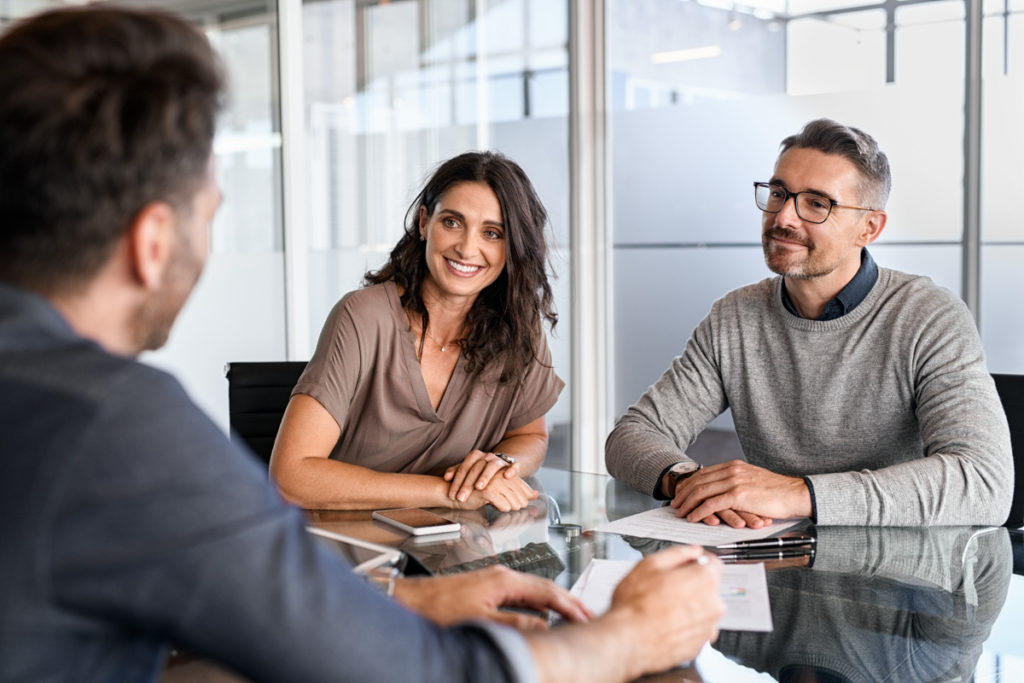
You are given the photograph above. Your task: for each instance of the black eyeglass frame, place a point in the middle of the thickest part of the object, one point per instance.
(832, 204)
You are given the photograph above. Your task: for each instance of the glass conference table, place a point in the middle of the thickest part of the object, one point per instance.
(937, 604)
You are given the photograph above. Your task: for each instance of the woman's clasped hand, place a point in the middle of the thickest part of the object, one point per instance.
(490, 478)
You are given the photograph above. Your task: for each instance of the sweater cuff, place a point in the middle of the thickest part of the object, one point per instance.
(658, 495)
(648, 471)
(814, 502)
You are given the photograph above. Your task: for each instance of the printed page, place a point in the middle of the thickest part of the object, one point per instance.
(743, 589)
(663, 524)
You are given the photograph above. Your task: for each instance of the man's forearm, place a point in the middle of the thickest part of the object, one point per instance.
(931, 491)
(637, 454)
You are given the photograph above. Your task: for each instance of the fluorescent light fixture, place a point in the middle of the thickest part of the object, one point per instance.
(687, 55)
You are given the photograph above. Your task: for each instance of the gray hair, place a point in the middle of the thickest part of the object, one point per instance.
(853, 144)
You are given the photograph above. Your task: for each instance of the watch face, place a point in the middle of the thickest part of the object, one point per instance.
(685, 468)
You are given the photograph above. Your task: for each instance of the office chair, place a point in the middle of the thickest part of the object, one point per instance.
(257, 396)
(1011, 393)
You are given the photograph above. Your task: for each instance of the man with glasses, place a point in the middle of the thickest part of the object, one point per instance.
(859, 393)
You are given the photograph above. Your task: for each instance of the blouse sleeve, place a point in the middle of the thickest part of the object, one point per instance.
(333, 372)
(539, 390)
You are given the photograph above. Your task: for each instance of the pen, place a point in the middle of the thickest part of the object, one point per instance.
(780, 554)
(779, 542)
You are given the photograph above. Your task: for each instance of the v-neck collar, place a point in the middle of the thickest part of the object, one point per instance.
(456, 383)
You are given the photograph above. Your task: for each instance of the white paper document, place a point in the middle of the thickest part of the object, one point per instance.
(743, 589)
(663, 524)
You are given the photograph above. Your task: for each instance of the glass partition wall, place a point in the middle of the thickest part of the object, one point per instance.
(698, 95)
(1002, 176)
(702, 92)
(392, 89)
(237, 310)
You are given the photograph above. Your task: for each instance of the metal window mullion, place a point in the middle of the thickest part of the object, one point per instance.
(890, 42)
(971, 270)
(588, 235)
(293, 185)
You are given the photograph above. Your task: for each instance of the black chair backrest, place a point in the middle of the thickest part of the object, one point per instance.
(257, 396)
(1017, 548)
(1011, 393)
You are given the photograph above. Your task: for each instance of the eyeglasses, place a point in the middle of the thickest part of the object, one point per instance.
(810, 206)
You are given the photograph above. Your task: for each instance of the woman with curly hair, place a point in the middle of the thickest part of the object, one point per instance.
(429, 385)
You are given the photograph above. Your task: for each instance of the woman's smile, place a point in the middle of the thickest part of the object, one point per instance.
(463, 269)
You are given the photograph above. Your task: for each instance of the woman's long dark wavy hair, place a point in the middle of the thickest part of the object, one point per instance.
(505, 321)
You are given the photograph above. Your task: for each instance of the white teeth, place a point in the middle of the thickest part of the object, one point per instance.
(461, 268)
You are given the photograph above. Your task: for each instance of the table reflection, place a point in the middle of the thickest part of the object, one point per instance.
(882, 605)
(517, 539)
(875, 604)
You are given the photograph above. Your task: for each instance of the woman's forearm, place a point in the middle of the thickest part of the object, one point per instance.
(325, 484)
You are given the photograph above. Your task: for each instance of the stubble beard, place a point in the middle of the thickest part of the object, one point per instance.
(777, 262)
(155, 317)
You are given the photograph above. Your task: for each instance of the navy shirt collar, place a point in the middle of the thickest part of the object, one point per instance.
(849, 296)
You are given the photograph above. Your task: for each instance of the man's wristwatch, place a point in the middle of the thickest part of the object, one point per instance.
(678, 472)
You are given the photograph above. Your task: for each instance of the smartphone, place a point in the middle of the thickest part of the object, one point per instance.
(416, 521)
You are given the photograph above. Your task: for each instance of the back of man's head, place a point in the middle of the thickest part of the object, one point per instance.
(854, 145)
(103, 111)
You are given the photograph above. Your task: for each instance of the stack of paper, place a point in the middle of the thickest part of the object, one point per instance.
(662, 523)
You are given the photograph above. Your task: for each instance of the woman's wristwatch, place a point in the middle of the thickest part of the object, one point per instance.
(678, 472)
(509, 460)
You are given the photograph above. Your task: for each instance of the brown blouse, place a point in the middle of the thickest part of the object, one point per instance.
(366, 374)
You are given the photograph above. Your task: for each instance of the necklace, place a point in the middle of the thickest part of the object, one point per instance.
(443, 345)
(440, 344)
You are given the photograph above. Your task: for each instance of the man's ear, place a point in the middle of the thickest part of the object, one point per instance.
(873, 226)
(151, 243)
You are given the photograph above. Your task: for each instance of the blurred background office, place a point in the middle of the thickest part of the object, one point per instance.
(642, 124)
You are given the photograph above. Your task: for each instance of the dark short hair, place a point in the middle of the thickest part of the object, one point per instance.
(505, 321)
(854, 145)
(103, 110)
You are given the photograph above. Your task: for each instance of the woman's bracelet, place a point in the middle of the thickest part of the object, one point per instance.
(509, 460)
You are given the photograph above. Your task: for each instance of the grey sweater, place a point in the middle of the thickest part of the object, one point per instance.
(889, 409)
